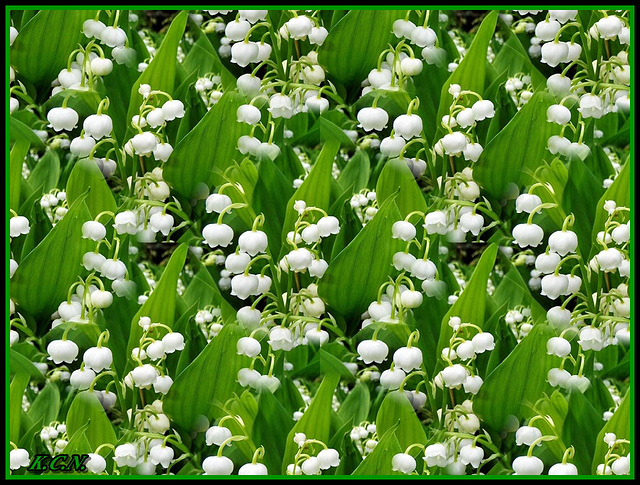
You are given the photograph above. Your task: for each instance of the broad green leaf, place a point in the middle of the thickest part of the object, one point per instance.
(619, 424)
(16, 157)
(208, 382)
(330, 131)
(161, 72)
(204, 291)
(324, 129)
(245, 407)
(19, 131)
(396, 409)
(352, 47)
(204, 59)
(518, 381)
(117, 320)
(195, 341)
(470, 74)
(396, 175)
(62, 260)
(161, 304)
(342, 442)
(581, 428)
(378, 462)
(18, 363)
(271, 428)
(557, 175)
(363, 265)
(271, 196)
(470, 305)
(316, 420)
(16, 391)
(46, 405)
(427, 86)
(245, 174)
(194, 109)
(526, 136)
(513, 59)
(324, 362)
(29, 435)
(86, 175)
(316, 188)
(356, 405)
(194, 164)
(46, 172)
(78, 441)
(41, 49)
(513, 291)
(86, 408)
(356, 173)
(580, 197)
(504, 339)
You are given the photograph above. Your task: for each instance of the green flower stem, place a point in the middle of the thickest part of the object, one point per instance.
(539, 440)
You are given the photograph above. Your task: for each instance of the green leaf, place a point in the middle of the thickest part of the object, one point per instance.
(330, 131)
(356, 173)
(204, 291)
(397, 175)
(62, 260)
(427, 87)
(46, 172)
(526, 136)
(40, 52)
(315, 423)
(161, 304)
(619, 424)
(195, 163)
(46, 405)
(271, 196)
(378, 462)
(203, 58)
(513, 59)
(78, 442)
(518, 381)
(325, 129)
(352, 47)
(580, 197)
(470, 74)
(356, 405)
(324, 362)
(161, 72)
(513, 291)
(16, 391)
(470, 305)
(208, 382)
(19, 131)
(316, 188)
(86, 408)
(363, 265)
(396, 409)
(18, 363)
(86, 175)
(580, 429)
(16, 157)
(271, 428)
